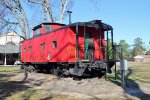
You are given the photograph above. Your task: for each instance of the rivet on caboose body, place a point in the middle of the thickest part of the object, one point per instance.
(75, 49)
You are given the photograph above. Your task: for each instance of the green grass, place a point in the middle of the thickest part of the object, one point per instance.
(8, 69)
(38, 94)
(139, 72)
(111, 77)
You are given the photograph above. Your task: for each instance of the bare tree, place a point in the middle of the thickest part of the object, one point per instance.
(12, 14)
(50, 8)
(63, 7)
(46, 7)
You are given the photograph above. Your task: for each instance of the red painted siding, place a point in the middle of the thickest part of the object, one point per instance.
(42, 46)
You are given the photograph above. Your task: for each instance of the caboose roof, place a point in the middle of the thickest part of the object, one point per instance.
(93, 23)
(46, 23)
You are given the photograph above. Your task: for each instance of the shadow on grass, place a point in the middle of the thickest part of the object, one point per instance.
(8, 88)
(132, 88)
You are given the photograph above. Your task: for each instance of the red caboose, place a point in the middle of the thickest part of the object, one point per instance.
(74, 49)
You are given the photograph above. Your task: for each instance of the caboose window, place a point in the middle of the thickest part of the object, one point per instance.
(47, 27)
(37, 31)
(30, 48)
(54, 44)
(24, 50)
(43, 46)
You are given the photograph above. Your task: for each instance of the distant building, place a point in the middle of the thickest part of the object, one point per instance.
(142, 58)
(9, 47)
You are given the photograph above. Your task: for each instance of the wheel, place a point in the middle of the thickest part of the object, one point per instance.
(55, 72)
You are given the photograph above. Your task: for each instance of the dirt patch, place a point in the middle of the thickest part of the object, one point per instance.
(86, 88)
(16, 85)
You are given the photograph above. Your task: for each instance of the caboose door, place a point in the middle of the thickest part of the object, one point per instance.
(89, 47)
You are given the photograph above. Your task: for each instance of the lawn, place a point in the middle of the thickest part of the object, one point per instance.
(14, 90)
(9, 69)
(138, 72)
(38, 94)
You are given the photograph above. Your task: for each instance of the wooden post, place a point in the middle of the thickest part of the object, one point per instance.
(84, 43)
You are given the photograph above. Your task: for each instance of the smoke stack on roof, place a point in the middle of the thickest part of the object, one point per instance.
(69, 12)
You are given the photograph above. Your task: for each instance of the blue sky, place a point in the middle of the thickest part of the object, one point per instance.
(129, 18)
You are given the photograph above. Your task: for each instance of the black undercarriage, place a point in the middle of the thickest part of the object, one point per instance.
(78, 69)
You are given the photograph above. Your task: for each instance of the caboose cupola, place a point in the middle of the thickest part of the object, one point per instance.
(46, 27)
